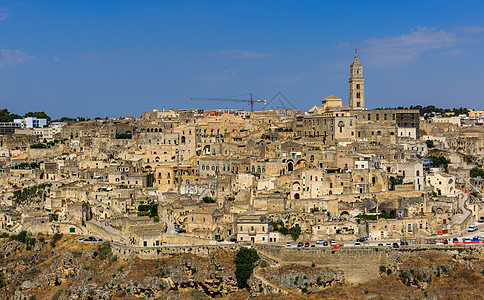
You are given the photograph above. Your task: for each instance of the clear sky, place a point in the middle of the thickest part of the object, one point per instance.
(118, 58)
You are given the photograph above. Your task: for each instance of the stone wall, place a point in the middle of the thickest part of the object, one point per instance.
(358, 264)
(128, 252)
(180, 239)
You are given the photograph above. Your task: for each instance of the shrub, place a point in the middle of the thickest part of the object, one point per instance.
(208, 199)
(55, 239)
(124, 136)
(104, 250)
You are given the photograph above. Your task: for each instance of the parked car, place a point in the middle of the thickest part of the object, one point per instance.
(362, 240)
(300, 244)
(481, 220)
(233, 240)
(380, 244)
(333, 243)
(325, 243)
(472, 228)
(476, 238)
(288, 244)
(389, 244)
(319, 242)
(313, 245)
(357, 244)
(455, 240)
(467, 240)
(395, 245)
(307, 244)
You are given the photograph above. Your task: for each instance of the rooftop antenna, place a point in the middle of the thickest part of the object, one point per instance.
(356, 51)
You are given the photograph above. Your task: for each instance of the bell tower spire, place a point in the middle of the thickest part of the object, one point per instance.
(356, 84)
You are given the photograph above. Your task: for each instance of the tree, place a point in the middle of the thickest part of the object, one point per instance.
(6, 116)
(244, 265)
(440, 161)
(430, 143)
(477, 172)
(295, 231)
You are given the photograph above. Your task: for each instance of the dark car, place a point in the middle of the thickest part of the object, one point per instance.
(380, 244)
(481, 220)
(455, 240)
(233, 240)
(325, 243)
(313, 245)
(300, 244)
(395, 245)
(307, 244)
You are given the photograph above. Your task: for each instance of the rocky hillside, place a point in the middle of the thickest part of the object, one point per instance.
(75, 270)
(61, 267)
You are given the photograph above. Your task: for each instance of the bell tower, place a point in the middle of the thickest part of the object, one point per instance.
(357, 84)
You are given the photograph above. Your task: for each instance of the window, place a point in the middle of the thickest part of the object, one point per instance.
(358, 86)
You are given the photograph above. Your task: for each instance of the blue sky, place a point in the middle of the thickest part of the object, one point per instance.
(117, 58)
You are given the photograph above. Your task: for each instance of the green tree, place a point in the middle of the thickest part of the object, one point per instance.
(6, 116)
(476, 172)
(244, 265)
(430, 143)
(440, 161)
(295, 231)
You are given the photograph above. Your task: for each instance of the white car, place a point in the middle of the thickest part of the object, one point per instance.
(472, 228)
(319, 242)
(288, 244)
(333, 243)
(357, 244)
